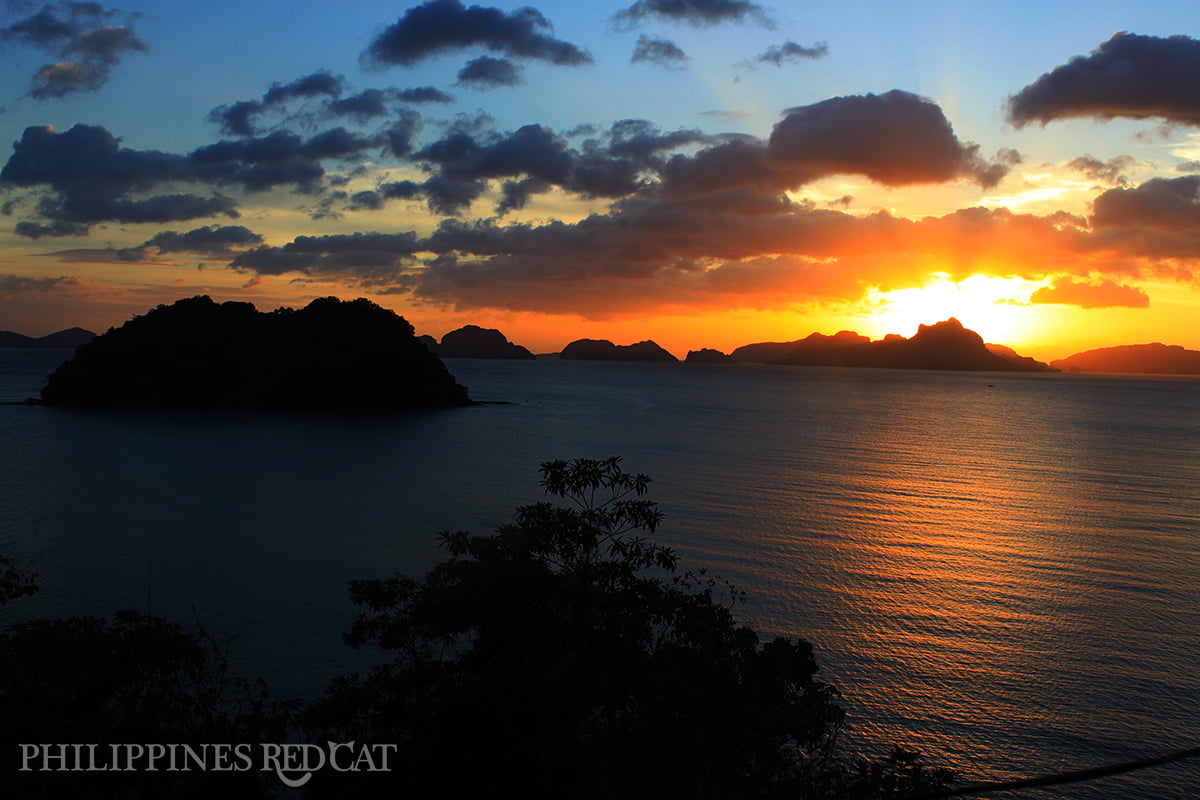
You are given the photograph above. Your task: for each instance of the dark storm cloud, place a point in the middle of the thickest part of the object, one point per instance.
(486, 72)
(1109, 172)
(895, 139)
(78, 34)
(654, 50)
(695, 12)
(424, 94)
(1164, 204)
(238, 119)
(792, 53)
(1105, 294)
(1133, 76)
(438, 26)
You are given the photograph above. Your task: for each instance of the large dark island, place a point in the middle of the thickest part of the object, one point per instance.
(328, 356)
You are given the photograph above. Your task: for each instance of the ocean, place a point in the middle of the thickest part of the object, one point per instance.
(999, 570)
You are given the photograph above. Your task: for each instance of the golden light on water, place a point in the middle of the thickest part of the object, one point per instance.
(997, 309)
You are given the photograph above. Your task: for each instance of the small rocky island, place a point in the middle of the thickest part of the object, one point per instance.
(198, 354)
(604, 350)
(472, 341)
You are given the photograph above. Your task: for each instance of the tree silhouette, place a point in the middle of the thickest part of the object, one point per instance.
(567, 656)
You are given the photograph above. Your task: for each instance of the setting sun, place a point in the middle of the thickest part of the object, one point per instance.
(996, 308)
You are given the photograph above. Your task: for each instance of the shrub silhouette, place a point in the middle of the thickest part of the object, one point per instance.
(567, 656)
(129, 679)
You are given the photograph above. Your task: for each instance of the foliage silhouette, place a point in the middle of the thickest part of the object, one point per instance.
(14, 582)
(566, 656)
(129, 679)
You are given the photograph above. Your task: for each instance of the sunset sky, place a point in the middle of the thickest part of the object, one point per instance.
(704, 173)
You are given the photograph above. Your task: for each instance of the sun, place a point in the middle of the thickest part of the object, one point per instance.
(998, 309)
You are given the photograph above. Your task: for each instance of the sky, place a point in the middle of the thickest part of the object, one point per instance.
(703, 173)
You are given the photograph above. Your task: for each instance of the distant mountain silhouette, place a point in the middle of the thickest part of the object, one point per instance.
(814, 343)
(1153, 359)
(604, 350)
(707, 355)
(329, 355)
(472, 341)
(71, 337)
(945, 345)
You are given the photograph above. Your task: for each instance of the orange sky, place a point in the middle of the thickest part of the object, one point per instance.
(698, 200)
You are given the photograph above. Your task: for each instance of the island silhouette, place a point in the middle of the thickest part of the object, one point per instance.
(197, 354)
(604, 350)
(472, 341)
(946, 345)
(71, 337)
(1147, 359)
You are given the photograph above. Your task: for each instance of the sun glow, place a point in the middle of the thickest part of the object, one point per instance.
(997, 309)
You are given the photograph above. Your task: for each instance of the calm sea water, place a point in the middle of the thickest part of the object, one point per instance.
(1002, 571)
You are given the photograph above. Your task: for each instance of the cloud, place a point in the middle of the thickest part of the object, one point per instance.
(93, 179)
(399, 136)
(792, 53)
(641, 139)
(725, 115)
(1132, 76)
(23, 285)
(238, 119)
(1105, 294)
(663, 52)
(742, 246)
(424, 94)
(1109, 172)
(437, 26)
(895, 139)
(1165, 204)
(486, 72)
(700, 13)
(77, 33)
(533, 151)
(361, 107)
(372, 258)
(278, 159)
(57, 229)
(212, 240)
